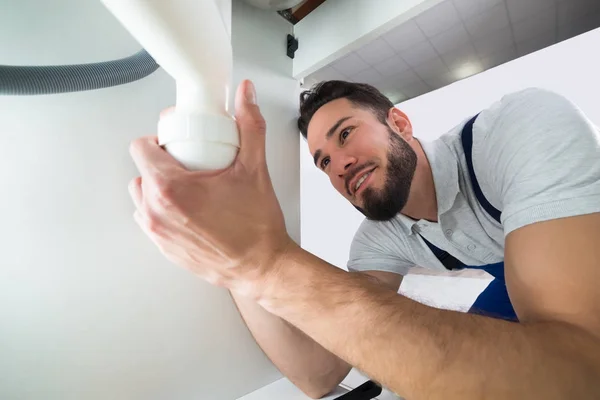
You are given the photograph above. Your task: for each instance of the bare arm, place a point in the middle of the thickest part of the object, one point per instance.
(421, 352)
(312, 368)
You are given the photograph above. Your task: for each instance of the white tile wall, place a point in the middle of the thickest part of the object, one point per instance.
(392, 66)
(494, 41)
(458, 38)
(415, 89)
(464, 54)
(431, 68)
(471, 8)
(499, 57)
(419, 53)
(369, 75)
(329, 74)
(538, 42)
(535, 25)
(450, 39)
(569, 11)
(519, 10)
(438, 19)
(579, 26)
(404, 78)
(488, 21)
(404, 36)
(350, 64)
(376, 52)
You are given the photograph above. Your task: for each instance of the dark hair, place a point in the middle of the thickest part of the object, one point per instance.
(360, 94)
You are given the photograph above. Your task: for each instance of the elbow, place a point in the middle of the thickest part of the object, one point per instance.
(317, 389)
(318, 392)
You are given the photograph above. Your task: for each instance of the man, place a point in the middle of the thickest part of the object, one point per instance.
(536, 158)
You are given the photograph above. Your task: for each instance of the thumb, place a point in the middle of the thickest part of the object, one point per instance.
(251, 125)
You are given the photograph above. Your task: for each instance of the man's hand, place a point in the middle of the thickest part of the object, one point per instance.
(225, 226)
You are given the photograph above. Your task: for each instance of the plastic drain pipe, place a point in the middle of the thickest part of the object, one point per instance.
(190, 41)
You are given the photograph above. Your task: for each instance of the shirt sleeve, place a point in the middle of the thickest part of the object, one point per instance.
(378, 246)
(538, 158)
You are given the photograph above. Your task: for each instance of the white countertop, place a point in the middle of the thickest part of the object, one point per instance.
(284, 389)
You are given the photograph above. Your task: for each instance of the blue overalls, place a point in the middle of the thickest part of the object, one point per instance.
(493, 301)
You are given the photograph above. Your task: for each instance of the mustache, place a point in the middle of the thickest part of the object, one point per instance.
(352, 173)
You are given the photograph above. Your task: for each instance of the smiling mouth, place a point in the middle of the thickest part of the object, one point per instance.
(354, 187)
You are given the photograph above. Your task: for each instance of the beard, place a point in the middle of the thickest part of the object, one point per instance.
(384, 204)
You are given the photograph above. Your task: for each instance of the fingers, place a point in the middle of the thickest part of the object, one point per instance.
(251, 125)
(151, 160)
(135, 191)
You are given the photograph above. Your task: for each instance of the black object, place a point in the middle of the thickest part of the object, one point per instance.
(287, 14)
(292, 45)
(366, 391)
(449, 261)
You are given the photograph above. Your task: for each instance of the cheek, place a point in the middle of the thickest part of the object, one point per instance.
(369, 150)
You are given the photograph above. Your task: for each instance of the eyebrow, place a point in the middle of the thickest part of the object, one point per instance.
(330, 133)
(336, 126)
(316, 157)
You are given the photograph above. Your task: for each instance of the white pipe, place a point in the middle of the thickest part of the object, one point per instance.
(190, 41)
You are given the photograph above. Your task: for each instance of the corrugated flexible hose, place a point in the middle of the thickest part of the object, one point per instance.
(52, 79)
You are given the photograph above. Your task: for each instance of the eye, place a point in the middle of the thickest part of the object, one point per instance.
(324, 162)
(344, 134)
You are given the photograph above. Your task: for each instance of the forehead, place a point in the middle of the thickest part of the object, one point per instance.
(327, 116)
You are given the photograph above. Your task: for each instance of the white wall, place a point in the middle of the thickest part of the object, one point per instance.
(89, 309)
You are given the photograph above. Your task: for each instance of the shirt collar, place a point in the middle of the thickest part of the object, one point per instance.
(444, 167)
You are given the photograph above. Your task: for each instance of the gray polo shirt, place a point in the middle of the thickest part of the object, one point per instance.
(536, 157)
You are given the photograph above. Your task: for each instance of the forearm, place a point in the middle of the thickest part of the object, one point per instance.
(421, 352)
(302, 360)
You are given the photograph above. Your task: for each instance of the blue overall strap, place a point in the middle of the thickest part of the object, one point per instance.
(447, 260)
(494, 300)
(467, 142)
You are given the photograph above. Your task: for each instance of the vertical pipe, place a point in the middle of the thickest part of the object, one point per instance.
(189, 40)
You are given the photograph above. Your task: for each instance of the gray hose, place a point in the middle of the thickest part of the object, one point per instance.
(51, 79)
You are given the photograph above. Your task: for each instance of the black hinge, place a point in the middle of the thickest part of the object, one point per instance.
(292, 45)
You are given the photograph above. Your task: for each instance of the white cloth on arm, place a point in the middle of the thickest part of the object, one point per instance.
(536, 157)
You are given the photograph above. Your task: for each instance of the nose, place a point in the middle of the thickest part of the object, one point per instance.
(342, 163)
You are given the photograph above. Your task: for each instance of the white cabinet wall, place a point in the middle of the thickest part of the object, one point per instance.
(89, 309)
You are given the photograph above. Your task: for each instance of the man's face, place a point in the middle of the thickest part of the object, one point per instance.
(368, 162)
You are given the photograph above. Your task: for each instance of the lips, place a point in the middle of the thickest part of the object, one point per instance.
(358, 177)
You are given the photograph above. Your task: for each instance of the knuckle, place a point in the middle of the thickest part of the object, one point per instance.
(260, 123)
(153, 224)
(215, 279)
(253, 120)
(134, 184)
(165, 194)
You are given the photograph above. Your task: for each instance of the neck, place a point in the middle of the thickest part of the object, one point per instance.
(422, 201)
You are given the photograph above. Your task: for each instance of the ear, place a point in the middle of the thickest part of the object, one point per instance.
(400, 123)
